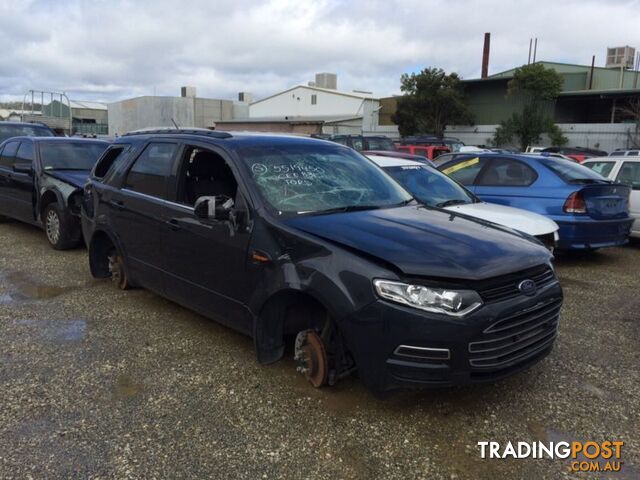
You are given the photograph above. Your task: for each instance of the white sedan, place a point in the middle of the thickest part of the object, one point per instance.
(434, 189)
(623, 169)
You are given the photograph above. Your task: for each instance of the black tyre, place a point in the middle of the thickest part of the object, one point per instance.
(62, 229)
(4, 219)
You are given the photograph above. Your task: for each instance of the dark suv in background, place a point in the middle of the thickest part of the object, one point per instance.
(19, 129)
(287, 238)
(41, 180)
(365, 142)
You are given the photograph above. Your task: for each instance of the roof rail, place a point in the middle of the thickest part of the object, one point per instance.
(173, 131)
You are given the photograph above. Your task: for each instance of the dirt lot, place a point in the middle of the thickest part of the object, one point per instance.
(107, 384)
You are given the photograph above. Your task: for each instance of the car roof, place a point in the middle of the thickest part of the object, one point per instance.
(620, 158)
(60, 139)
(386, 162)
(231, 139)
(33, 124)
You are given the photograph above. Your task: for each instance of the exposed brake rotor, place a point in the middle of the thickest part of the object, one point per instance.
(118, 275)
(311, 357)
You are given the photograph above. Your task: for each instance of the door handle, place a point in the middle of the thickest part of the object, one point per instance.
(174, 224)
(117, 204)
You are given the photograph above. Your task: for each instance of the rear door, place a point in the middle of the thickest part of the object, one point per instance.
(137, 209)
(629, 174)
(8, 203)
(506, 181)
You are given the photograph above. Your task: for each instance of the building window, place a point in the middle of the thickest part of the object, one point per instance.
(314, 99)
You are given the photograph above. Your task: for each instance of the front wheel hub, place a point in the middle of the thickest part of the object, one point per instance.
(311, 357)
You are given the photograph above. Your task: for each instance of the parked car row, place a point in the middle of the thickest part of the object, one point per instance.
(290, 238)
(41, 180)
(624, 170)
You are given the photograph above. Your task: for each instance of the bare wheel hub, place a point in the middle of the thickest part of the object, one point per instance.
(311, 357)
(116, 269)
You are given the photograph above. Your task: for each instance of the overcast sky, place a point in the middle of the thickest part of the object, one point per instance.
(109, 50)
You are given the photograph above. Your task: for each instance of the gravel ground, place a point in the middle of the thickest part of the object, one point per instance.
(99, 383)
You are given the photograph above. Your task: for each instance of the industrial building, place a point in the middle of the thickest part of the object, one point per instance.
(89, 118)
(318, 107)
(187, 110)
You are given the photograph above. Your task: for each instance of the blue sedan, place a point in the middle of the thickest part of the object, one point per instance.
(592, 212)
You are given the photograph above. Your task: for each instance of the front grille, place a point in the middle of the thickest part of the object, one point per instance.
(506, 286)
(516, 338)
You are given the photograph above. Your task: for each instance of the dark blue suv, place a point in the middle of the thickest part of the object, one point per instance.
(292, 239)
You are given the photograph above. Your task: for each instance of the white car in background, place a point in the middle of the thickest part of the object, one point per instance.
(623, 169)
(435, 189)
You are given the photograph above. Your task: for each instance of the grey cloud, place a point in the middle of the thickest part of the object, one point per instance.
(113, 49)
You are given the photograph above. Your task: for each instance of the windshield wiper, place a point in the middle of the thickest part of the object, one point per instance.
(348, 208)
(449, 203)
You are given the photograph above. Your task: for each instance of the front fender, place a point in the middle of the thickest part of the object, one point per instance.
(339, 279)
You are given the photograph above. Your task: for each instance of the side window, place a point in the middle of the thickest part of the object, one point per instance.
(356, 143)
(109, 161)
(603, 168)
(314, 99)
(630, 174)
(340, 140)
(150, 172)
(506, 172)
(8, 154)
(420, 151)
(25, 152)
(204, 173)
(466, 170)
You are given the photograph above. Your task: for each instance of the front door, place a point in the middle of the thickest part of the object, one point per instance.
(206, 259)
(505, 181)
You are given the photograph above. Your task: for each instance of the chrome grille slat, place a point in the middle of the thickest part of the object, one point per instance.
(546, 321)
(511, 322)
(516, 337)
(523, 355)
(521, 343)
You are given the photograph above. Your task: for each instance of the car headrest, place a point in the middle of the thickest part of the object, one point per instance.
(514, 170)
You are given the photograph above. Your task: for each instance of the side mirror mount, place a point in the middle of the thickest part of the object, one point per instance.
(218, 208)
(23, 168)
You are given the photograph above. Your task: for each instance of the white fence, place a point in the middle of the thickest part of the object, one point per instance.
(604, 136)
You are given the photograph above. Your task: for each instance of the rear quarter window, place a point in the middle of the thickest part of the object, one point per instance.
(570, 171)
(110, 161)
(603, 168)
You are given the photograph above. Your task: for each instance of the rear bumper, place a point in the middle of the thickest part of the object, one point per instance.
(397, 347)
(585, 232)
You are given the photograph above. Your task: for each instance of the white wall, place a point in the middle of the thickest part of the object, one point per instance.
(297, 102)
(604, 136)
(145, 112)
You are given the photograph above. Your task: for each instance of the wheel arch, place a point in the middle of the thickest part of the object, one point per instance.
(281, 315)
(100, 245)
(48, 197)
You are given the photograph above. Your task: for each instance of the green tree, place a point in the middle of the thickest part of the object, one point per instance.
(538, 87)
(431, 100)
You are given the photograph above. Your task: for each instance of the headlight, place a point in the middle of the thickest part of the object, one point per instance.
(456, 303)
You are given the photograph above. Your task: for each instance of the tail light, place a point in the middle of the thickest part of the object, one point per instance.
(575, 203)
